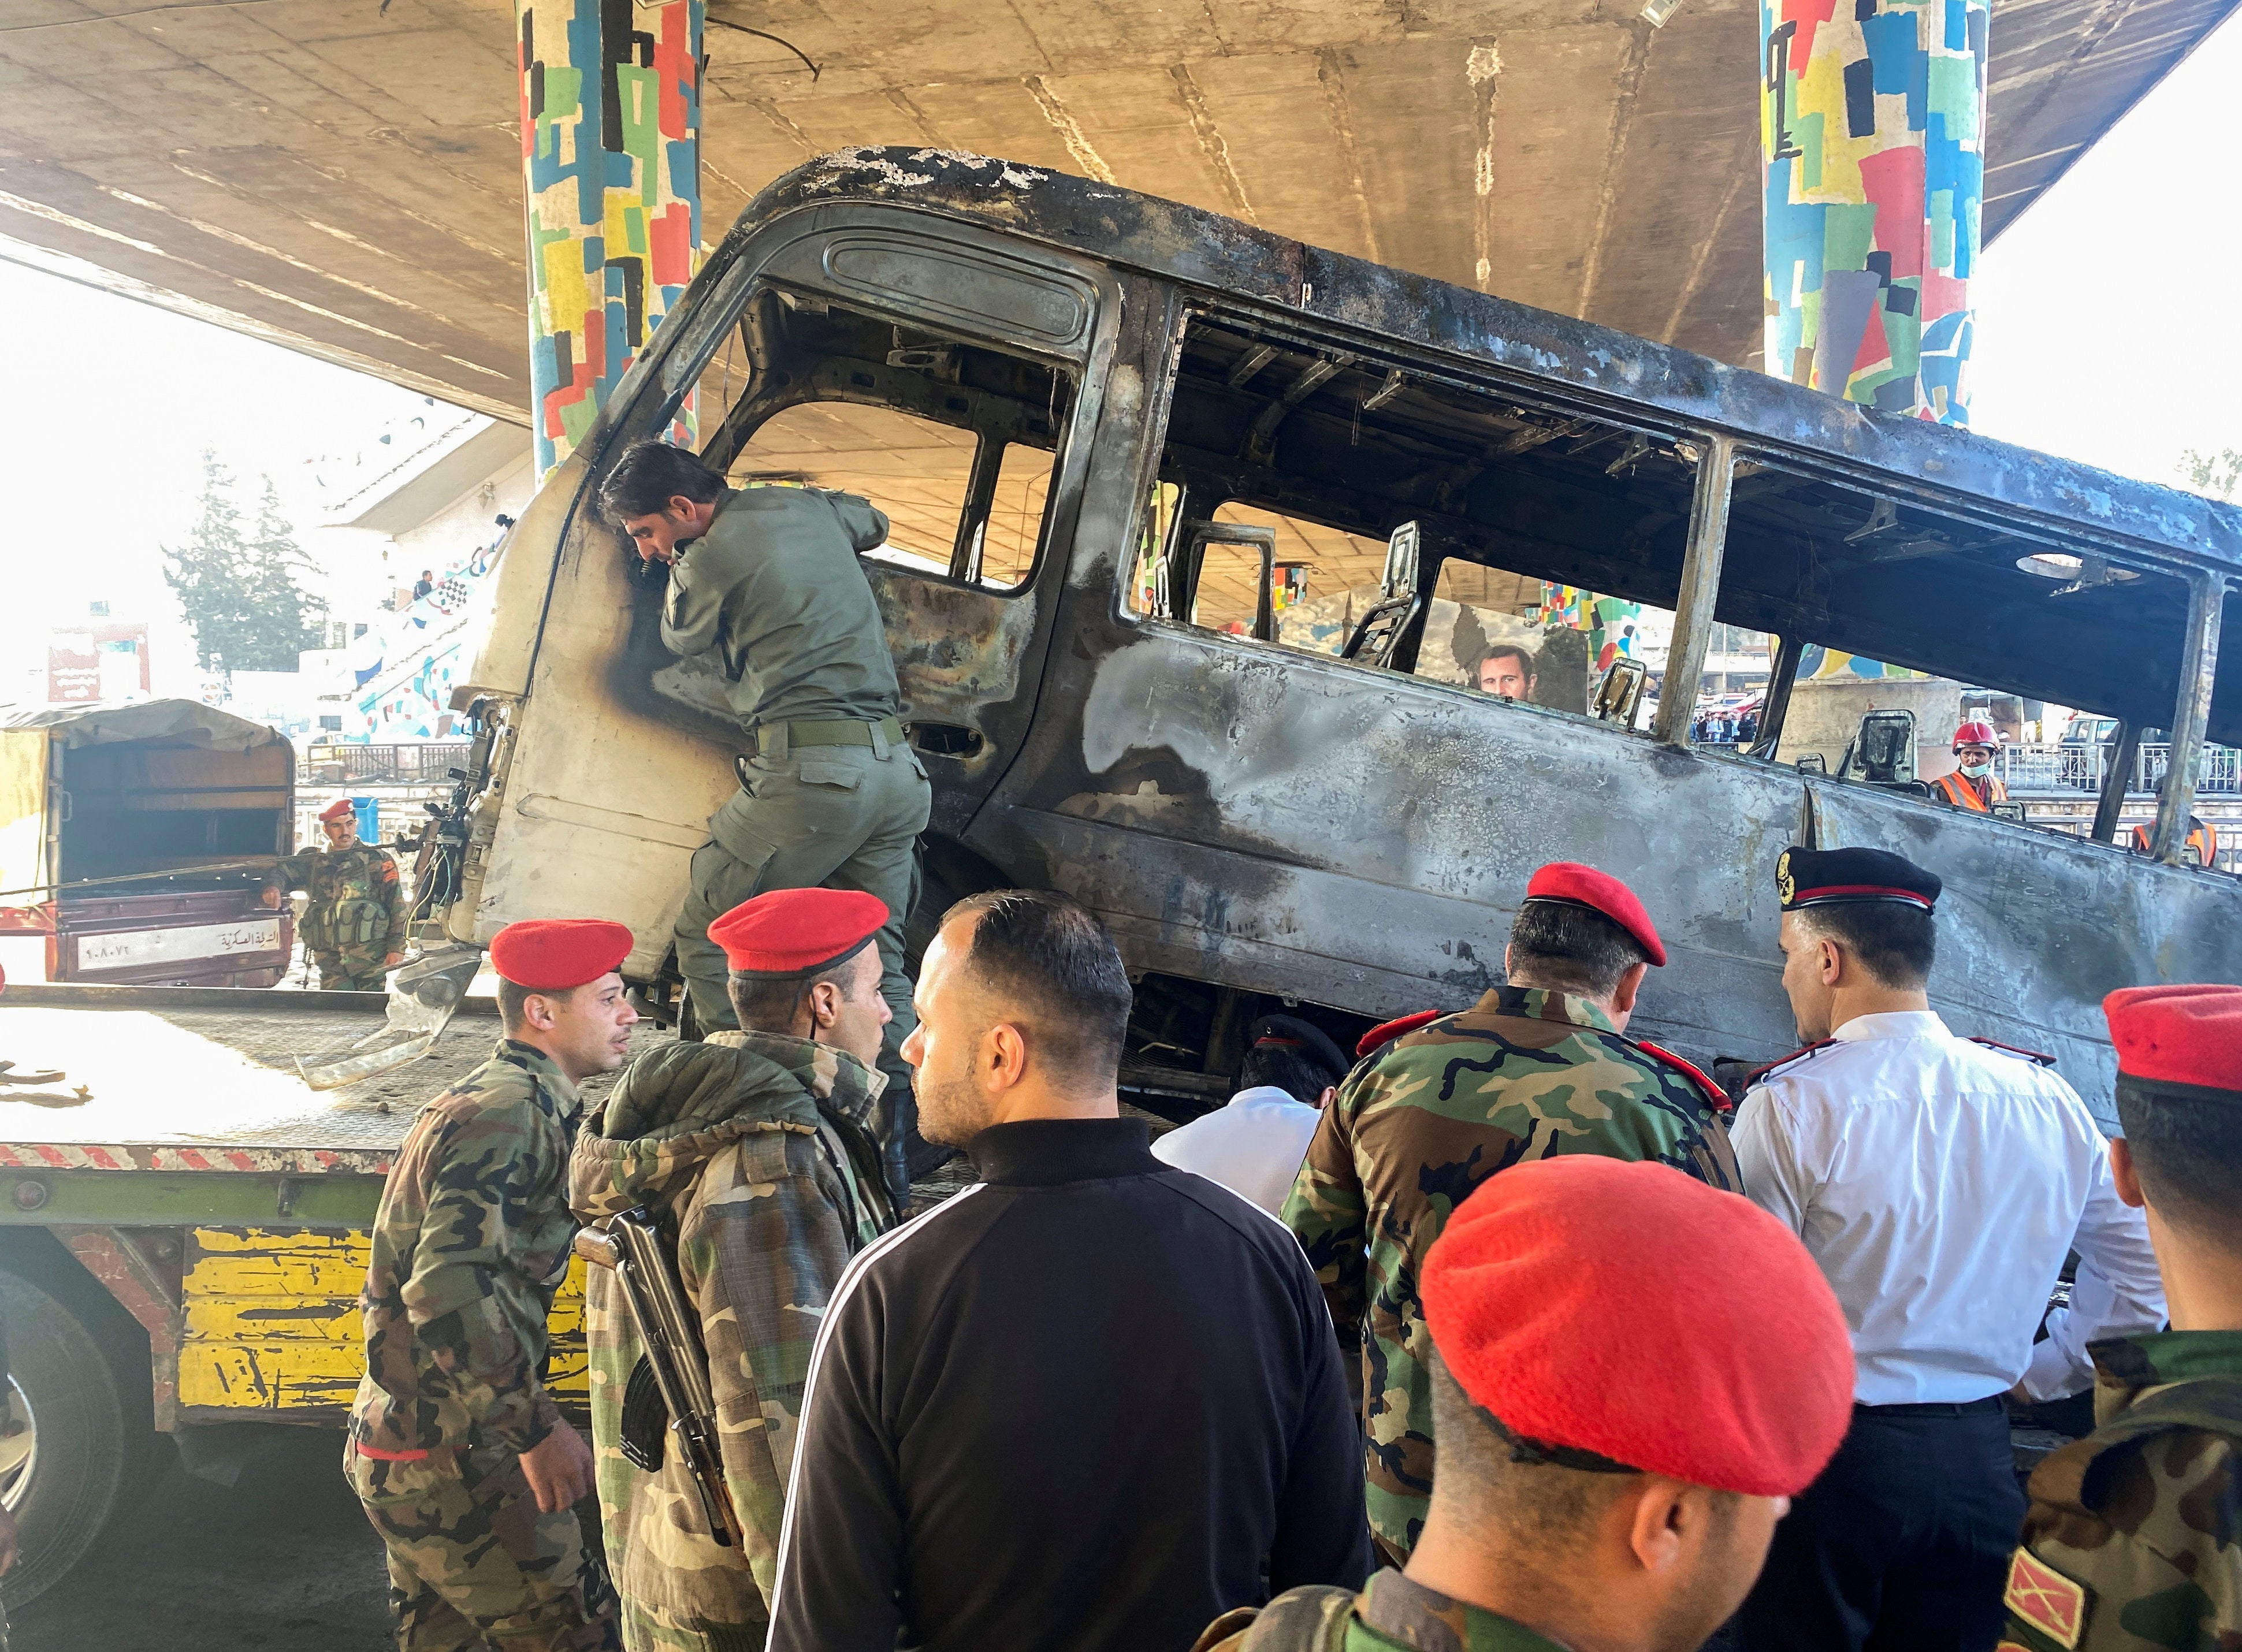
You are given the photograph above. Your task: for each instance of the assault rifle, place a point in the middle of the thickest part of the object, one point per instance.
(669, 1391)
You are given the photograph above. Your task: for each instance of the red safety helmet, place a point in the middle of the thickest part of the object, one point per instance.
(1977, 734)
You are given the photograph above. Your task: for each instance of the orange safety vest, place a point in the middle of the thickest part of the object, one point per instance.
(1958, 790)
(2202, 837)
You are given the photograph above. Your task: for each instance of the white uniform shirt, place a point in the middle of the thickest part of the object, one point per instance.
(1253, 1147)
(1939, 1184)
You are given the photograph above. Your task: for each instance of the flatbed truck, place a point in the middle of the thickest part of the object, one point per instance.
(183, 1249)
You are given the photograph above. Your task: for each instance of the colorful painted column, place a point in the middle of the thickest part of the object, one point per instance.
(611, 164)
(1872, 121)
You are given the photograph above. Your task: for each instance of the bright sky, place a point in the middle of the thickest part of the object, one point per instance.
(110, 404)
(2107, 331)
(2108, 328)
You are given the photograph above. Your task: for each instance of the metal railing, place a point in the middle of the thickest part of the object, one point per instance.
(2054, 771)
(425, 764)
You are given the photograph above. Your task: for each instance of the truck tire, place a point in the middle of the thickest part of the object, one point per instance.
(65, 1490)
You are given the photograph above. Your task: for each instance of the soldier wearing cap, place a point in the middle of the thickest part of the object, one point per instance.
(755, 1149)
(1538, 1067)
(765, 581)
(1615, 1453)
(1939, 1181)
(355, 922)
(2131, 1540)
(463, 1461)
(1254, 1145)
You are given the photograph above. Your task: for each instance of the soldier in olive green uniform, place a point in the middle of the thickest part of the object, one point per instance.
(755, 1150)
(465, 1465)
(766, 581)
(1535, 1069)
(2133, 1540)
(354, 924)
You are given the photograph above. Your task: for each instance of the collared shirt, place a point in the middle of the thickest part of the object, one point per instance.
(1253, 1147)
(1939, 1184)
(1397, 1611)
(1087, 1402)
(470, 1243)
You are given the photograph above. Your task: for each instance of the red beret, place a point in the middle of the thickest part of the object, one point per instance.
(339, 810)
(792, 931)
(2178, 1035)
(558, 954)
(1570, 883)
(1553, 1299)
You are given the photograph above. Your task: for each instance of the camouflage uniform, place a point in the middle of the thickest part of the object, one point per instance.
(357, 915)
(1522, 1074)
(469, 1244)
(757, 1151)
(1394, 1613)
(2133, 1540)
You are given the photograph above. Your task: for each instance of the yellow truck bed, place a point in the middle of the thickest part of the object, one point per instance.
(216, 1196)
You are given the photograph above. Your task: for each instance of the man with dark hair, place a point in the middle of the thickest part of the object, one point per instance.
(1254, 1145)
(463, 1461)
(755, 1150)
(1091, 1401)
(765, 581)
(1613, 1453)
(1939, 1182)
(1538, 1067)
(2131, 1539)
(1506, 670)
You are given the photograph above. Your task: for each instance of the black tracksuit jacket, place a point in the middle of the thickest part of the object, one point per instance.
(1078, 1407)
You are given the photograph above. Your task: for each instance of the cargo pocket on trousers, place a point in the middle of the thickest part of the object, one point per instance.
(824, 772)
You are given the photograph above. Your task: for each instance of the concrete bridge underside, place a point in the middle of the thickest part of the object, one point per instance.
(344, 175)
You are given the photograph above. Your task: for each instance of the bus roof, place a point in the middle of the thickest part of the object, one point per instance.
(1240, 263)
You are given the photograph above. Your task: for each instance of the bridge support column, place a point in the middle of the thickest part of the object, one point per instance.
(611, 168)
(1872, 120)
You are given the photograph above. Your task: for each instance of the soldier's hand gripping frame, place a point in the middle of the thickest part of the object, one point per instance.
(630, 1246)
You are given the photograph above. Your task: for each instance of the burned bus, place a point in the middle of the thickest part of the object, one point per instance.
(1195, 532)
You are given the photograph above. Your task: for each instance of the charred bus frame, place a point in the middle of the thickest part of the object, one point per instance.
(1259, 822)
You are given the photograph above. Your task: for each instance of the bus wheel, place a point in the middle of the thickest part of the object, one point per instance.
(64, 1448)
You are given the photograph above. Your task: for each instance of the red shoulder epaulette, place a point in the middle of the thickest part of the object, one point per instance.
(1714, 1093)
(2014, 1049)
(1757, 1073)
(1378, 1036)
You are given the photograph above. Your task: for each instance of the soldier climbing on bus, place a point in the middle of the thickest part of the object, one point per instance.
(766, 579)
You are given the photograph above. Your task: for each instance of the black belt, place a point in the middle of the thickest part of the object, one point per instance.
(1934, 1408)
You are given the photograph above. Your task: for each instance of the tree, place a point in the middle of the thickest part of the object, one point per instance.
(239, 591)
(2218, 475)
(287, 621)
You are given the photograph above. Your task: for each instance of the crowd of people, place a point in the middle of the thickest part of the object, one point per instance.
(1714, 726)
(1507, 1331)
(1546, 1347)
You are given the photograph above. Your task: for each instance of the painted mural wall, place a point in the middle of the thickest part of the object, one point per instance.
(610, 154)
(1872, 120)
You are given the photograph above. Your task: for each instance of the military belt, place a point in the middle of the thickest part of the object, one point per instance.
(776, 739)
